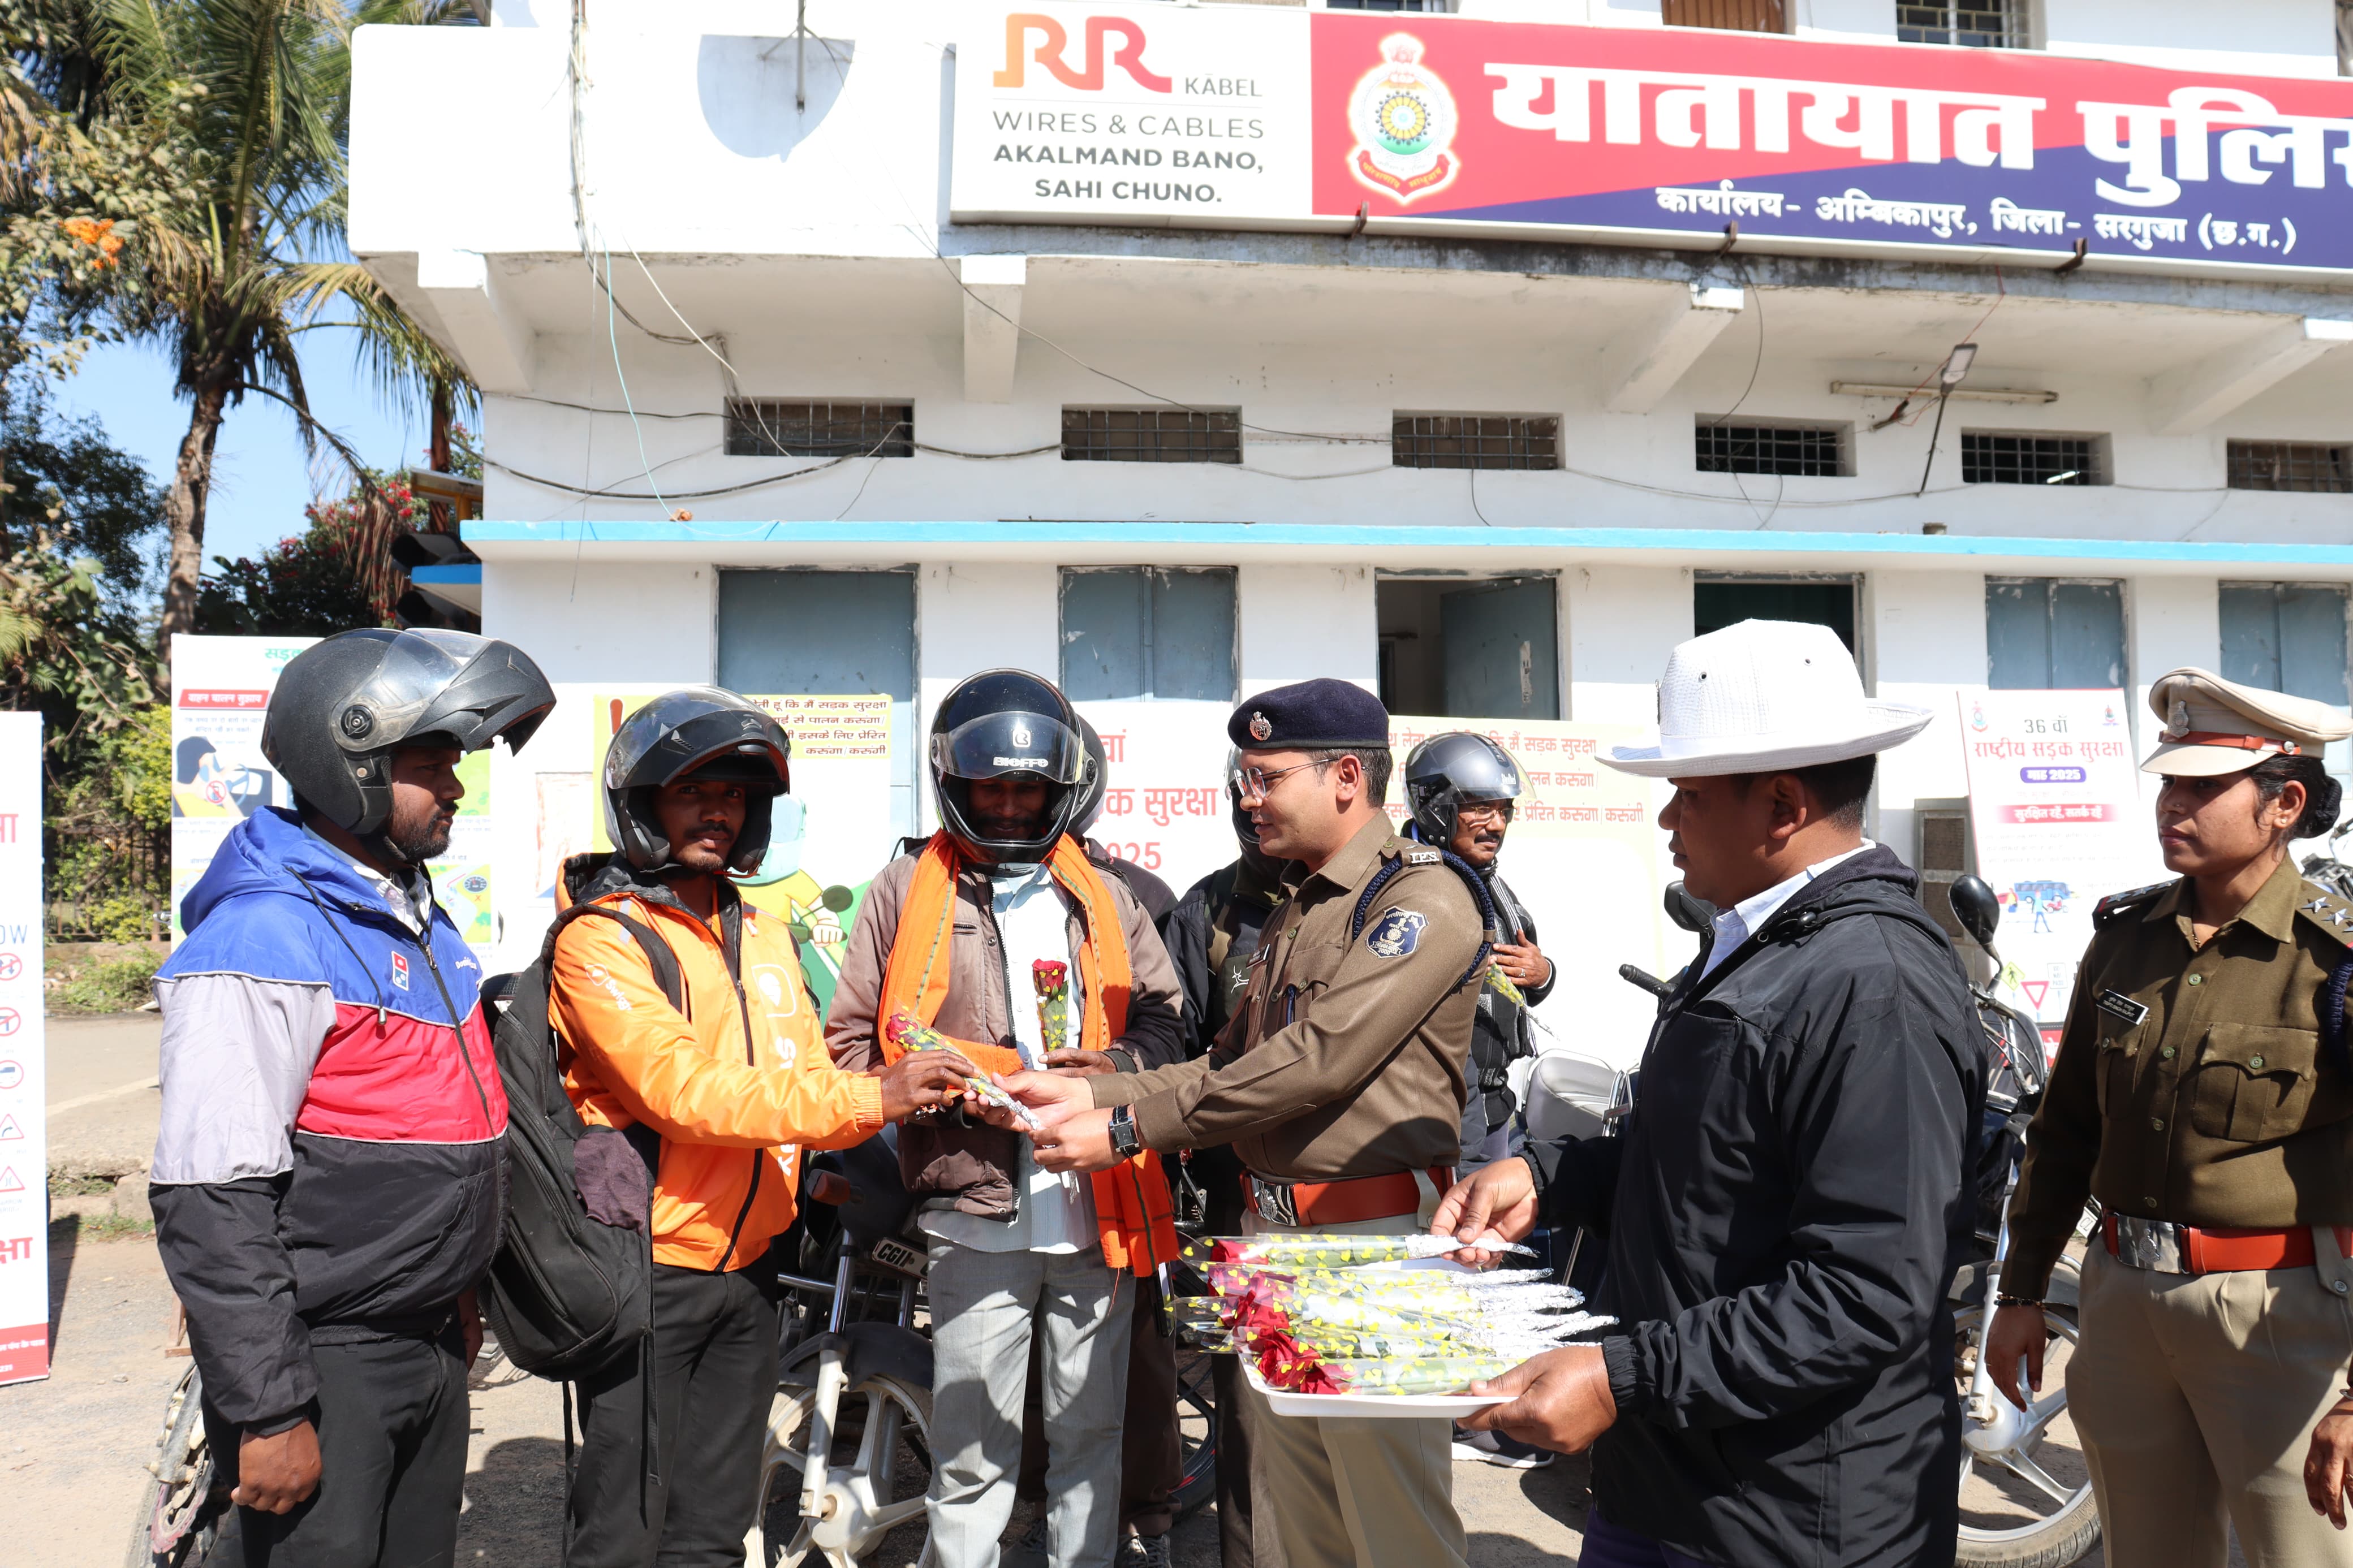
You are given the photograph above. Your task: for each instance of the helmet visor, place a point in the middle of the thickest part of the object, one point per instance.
(995, 744)
(697, 728)
(418, 665)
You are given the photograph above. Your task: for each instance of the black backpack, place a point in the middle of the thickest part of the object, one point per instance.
(567, 1295)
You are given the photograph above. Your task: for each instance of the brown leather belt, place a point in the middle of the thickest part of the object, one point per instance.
(2166, 1249)
(1345, 1202)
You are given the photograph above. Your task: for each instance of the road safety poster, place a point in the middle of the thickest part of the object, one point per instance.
(1585, 855)
(220, 695)
(2055, 806)
(24, 1152)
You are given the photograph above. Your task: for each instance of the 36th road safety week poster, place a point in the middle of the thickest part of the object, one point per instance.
(1240, 116)
(2055, 805)
(24, 1149)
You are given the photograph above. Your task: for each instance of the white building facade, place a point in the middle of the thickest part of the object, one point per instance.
(1182, 350)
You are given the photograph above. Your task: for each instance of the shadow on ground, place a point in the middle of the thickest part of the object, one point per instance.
(64, 1238)
(524, 1477)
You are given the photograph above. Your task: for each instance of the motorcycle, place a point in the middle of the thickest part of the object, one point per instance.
(2026, 1496)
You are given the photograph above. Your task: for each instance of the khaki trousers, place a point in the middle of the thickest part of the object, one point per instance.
(2196, 1396)
(1362, 1492)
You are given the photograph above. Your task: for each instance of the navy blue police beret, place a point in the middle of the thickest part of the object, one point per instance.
(1309, 716)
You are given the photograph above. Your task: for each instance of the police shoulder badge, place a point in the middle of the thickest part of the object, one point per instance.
(1395, 933)
(1260, 726)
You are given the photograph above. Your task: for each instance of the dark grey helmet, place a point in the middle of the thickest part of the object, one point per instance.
(1245, 830)
(344, 706)
(702, 730)
(1003, 721)
(1096, 786)
(1447, 771)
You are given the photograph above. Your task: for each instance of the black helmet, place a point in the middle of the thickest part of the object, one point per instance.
(1245, 830)
(1096, 786)
(1446, 771)
(1003, 721)
(700, 730)
(344, 706)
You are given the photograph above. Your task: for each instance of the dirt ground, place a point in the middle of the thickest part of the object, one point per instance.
(72, 1448)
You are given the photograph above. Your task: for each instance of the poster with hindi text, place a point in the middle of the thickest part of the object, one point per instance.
(2055, 807)
(24, 1149)
(1587, 861)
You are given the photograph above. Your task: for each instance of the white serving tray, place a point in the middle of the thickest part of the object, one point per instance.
(1391, 1406)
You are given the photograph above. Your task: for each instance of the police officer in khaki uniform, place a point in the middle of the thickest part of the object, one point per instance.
(1339, 1082)
(2203, 1094)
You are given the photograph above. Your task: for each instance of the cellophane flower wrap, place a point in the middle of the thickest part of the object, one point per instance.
(1052, 980)
(1317, 1314)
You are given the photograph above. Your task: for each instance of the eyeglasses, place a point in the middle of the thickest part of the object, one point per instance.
(1258, 782)
(1495, 811)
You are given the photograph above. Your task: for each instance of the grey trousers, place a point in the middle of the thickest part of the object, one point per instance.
(984, 1307)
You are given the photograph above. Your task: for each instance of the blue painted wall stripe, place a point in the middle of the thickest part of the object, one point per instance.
(1282, 536)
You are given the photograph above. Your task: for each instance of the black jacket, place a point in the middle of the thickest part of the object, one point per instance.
(1785, 1213)
(1501, 1032)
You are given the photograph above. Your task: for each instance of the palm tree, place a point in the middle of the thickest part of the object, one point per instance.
(249, 103)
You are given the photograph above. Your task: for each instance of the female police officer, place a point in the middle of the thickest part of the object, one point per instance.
(2203, 1093)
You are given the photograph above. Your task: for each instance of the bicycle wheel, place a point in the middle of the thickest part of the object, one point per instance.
(179, 1517)
(2026, 1492)
(876, 1477)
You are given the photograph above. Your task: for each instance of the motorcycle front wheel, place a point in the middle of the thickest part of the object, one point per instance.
(2026, 1501)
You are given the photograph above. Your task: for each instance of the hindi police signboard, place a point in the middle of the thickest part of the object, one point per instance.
(23, 1151)
(1243, 118)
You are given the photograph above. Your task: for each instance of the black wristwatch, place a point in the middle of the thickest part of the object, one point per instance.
(1124, 1141)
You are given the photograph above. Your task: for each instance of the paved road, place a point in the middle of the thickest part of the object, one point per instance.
(101, 1098)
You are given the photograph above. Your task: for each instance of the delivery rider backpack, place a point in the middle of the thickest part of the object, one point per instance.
(567, 1295)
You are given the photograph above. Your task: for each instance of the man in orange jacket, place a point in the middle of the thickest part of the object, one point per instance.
(714, 1099)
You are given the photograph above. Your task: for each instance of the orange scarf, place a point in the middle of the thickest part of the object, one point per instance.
(1131, 1208)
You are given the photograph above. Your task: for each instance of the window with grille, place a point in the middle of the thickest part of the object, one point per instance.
(1974, 24)
(1152, 435)
(2291, 466)
(766, 427)
(1791, 449)
(1474, 441)
(1992, 458)
(1729, 15)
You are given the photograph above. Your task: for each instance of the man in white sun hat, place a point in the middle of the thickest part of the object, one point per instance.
(1784, 1207)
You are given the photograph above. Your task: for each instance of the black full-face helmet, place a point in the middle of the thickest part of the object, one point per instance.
(342, 706)
(1001, 722)
(1095, 786)
(1447, 771)
(710, 734)
(1245, 830)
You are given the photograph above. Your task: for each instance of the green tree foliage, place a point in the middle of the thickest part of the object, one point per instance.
(337, 575)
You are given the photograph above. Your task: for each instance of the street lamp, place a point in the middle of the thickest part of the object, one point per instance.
(1950, 374)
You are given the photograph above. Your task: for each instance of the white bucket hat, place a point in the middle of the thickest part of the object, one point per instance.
(1765, 697)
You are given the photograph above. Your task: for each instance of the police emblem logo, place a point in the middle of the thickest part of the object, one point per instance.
(2176, 724)
(1395, 933)
(400, 971)
(1403, 119)
(1260, 726)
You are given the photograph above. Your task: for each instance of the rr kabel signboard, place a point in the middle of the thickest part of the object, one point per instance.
(1244, 117)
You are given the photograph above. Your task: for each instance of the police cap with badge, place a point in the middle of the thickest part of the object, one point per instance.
(1317, 715)
(1328, 715)
(2214, 728)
